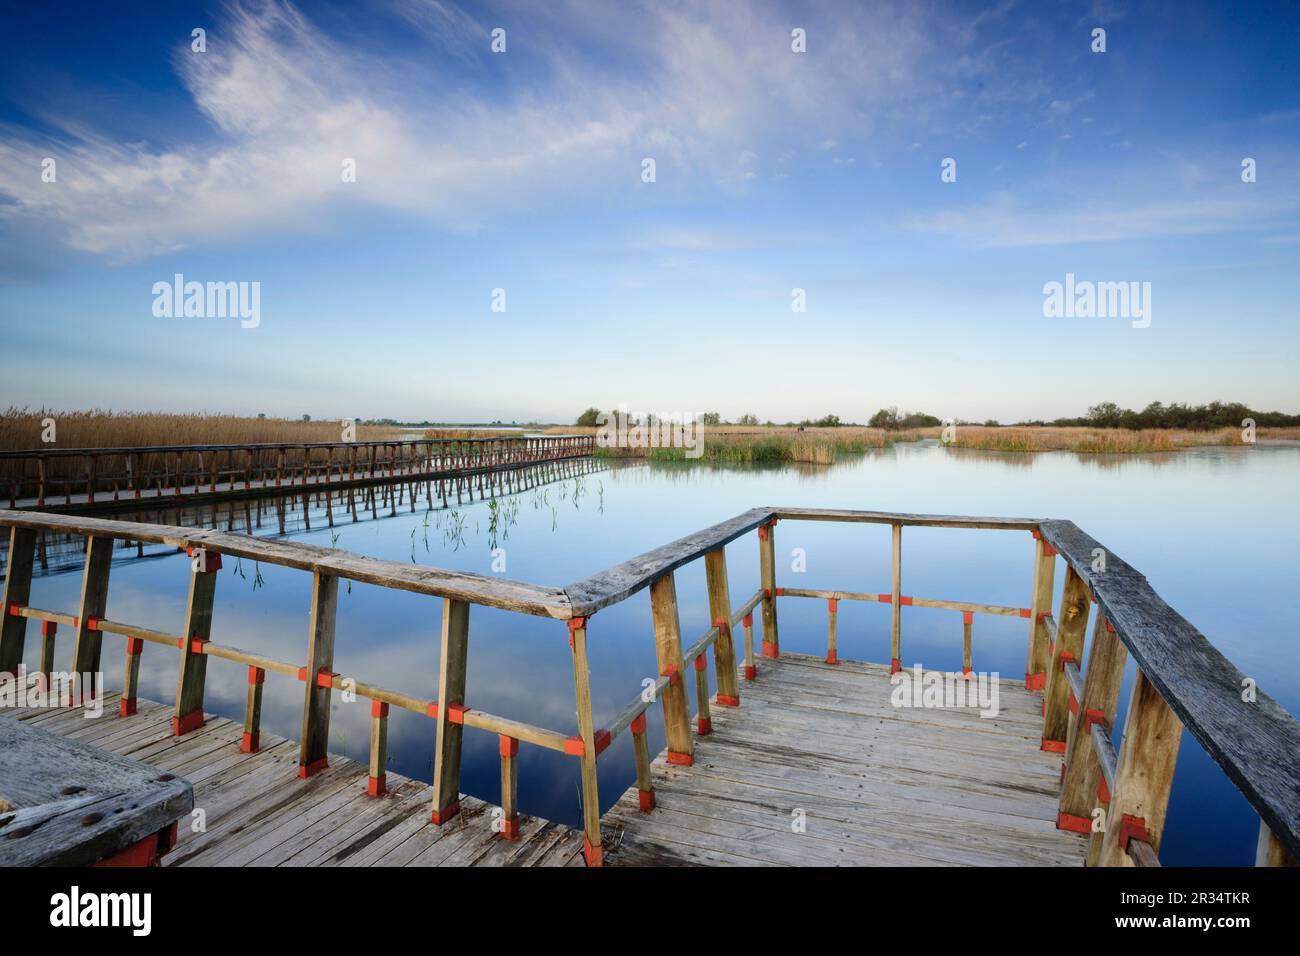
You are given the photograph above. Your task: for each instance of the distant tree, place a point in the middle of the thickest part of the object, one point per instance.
(885, 418)
(306, 418)
(992, 423)
(711, 418)
(589, 417)
(748, 419)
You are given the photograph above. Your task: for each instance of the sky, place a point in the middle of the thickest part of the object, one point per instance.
(524, 170)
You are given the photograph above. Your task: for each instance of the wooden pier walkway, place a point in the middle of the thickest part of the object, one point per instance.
(816, 768)
(257, 812)
(787, 760)
(84, 480)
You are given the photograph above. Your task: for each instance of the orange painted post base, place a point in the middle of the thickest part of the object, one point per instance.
(183, 725)
(679, 759)
(1068, 821)
(595, 855)
(442, 817)
(647, 800)
(377, 786)
(313, 768)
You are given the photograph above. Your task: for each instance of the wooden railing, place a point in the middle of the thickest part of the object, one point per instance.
(46, 474)
(1182, 681)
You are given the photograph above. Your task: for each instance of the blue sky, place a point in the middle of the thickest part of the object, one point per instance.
(774, 170)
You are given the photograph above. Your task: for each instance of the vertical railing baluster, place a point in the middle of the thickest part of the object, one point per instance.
(1071, 624)
(1101, 683)
(832, 616)
(668, 651)
(767, 581)
(19, 562)
(377, 782)
(131, 677)
(49, 635)
(509, 787)
(724, 651)
(1144, 773)
(747, 624)
(592, 848)
(641, 756)
(188, 713)
(452, 664)
(251, 741)
(703, 720)
(895, 600)
(313, 753)
(94, 598)
(1044, 581)
(967, 619)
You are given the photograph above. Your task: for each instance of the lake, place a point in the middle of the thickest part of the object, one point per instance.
(1215, 530)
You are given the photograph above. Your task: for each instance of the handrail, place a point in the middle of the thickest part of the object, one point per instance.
(1255, 745)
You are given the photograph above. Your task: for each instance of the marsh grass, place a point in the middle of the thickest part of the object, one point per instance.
(735, 445)
(1094, 441)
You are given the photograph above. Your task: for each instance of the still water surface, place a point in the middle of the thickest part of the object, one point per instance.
(1214, 530)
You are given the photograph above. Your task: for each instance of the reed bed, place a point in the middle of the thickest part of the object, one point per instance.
(748, 445)
(1093, 441)
(22, 428)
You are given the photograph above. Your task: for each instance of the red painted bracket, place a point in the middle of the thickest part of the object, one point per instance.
(51, 628)
(1053, 746)
(256, 675)
(1026, 612)
(576, 624)
(725, 700)
(968, 617)
(750, 672)
(432, 710)
(1075, 824)
(1131, 826)
(594, 855)
(456, 713)
(701, 662)
(704, 726)
(780, 592)
(250, 743)
(748, 620)
(126, 706)
(638, 724)
(509, 746)
(647, 800)
(134, 646)
(680, 759)
(15, 610)
(92, 623)
(895, 665)
(673, 675)
(1103, 791)
(1066, 657)
(196, 645)
(377, 786)
(379, 709)
(1091, 717)
(771, 650)
(1036, 681)
(832, 605)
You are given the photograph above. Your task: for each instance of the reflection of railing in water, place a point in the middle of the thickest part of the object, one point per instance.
(120, 476)
(315, 507)
(1182, 680)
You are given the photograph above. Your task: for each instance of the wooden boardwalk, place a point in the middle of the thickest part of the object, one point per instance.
(258, 813)
(878, 785)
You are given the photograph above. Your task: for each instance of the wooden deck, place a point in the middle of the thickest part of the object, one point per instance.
(879, 785)
(258, 813)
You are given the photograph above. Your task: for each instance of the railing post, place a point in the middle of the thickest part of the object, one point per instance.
(967, 619)
(377, 784)
(832, 616)
(131, 677)
(18, 590)
(747, 624)
(451, 709)
(767, 580)
(251, 742)
(896, 600)
(668, 651)
(1044, 582)
(591, 845)
(1101, 683)
(49, 633)
(641, 756)
(94, 598)
(703, 722)
(313, 753)
(509, 787)
(188, 714)
(1144, 774)
(724, 651)
(1072, 622)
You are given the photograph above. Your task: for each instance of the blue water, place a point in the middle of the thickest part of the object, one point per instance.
(1214, 530)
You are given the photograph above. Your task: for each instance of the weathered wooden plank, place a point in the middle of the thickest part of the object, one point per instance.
(668, 652)
(314, 748)
(452, 665)
(20, 559)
